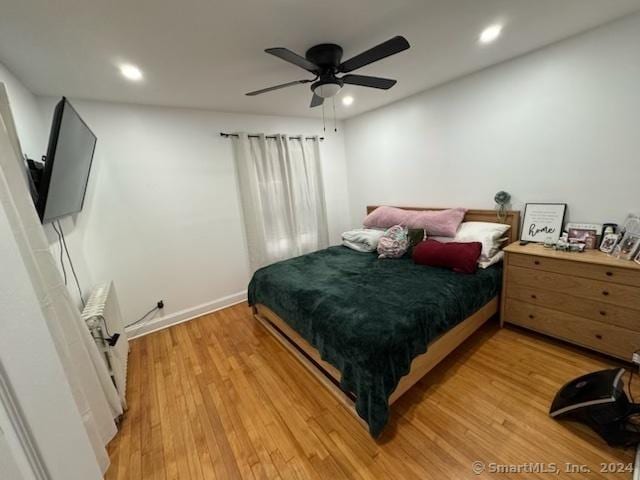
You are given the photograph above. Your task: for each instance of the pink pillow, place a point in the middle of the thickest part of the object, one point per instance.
(441, 223)
(460, 257)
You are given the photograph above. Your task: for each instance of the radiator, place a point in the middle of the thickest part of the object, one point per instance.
(103, 317)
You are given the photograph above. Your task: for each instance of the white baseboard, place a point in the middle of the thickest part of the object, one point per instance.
(160, 323)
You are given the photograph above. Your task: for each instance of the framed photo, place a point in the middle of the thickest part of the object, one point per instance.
(583, 235)
(628, 246)
(543, 222)
(609, 242)
(585, 226)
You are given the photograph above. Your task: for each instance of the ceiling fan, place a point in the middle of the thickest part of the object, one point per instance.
(325, 62)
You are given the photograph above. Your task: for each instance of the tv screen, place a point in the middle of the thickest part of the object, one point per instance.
(68, 162)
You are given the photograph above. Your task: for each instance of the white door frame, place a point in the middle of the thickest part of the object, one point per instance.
(45, 421)
(18, 438)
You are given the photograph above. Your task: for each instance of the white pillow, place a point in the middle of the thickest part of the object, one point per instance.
(495, 259)
(490, 235)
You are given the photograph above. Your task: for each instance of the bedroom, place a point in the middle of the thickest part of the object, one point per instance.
(538, 100)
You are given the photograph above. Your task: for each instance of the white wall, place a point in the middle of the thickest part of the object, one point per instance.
(162, 216)
(557, 125)
(32, 130)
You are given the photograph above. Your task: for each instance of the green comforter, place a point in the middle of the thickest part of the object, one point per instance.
(367, 317)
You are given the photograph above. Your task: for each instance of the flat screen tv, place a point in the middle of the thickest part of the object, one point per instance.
(63, 184)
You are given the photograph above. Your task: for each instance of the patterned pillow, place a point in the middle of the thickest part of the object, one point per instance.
(394, 242)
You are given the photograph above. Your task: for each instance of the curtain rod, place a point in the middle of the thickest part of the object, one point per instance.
(227, 135)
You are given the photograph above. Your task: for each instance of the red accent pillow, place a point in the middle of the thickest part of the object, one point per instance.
(460, 257)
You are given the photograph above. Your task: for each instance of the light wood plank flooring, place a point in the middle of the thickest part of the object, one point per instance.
(217, 397)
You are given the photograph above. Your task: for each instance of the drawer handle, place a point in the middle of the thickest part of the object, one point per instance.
(598, 336)
(536, 262)
(533, 296)
(531, 316)
(609, 274)
(605, 293)
(603, 313)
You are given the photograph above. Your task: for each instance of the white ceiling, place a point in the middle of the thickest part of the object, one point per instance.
(208, 53)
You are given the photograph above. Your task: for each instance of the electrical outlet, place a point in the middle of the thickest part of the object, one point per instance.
(635, 358)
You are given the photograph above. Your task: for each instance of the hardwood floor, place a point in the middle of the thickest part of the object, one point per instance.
(217, 397)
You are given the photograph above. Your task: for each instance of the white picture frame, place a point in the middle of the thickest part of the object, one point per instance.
(627, 247)
(542, 222)
(609, 242)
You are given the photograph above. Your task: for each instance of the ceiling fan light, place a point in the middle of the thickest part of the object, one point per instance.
(327, 90)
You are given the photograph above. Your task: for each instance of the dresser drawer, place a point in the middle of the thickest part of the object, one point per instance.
(612, 340)
(605, 292)
(583, 307)
(626, 276)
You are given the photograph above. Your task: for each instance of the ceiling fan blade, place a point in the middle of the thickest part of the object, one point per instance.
(367, 81)
(277, 87)
(385, 49)
(292, 57)
(316, 101)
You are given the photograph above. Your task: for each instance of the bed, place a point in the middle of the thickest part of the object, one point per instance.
(369, 329)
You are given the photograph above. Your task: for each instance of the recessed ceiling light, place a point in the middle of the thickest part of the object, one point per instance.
(348, 100)
(131, 72)
(490, 33)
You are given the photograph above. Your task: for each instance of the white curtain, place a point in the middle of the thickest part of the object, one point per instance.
(94, 393)
(282, 196)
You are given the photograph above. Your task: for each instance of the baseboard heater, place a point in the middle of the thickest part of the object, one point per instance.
(103, 317)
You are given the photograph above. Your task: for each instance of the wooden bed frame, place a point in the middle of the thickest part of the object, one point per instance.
(437, 350)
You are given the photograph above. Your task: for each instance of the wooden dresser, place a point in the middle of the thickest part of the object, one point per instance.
(589, 298)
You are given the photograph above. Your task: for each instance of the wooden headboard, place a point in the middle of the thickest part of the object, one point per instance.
(512, 218)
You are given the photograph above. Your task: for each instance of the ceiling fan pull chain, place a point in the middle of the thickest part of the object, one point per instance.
(335, 125)
(324, 123)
